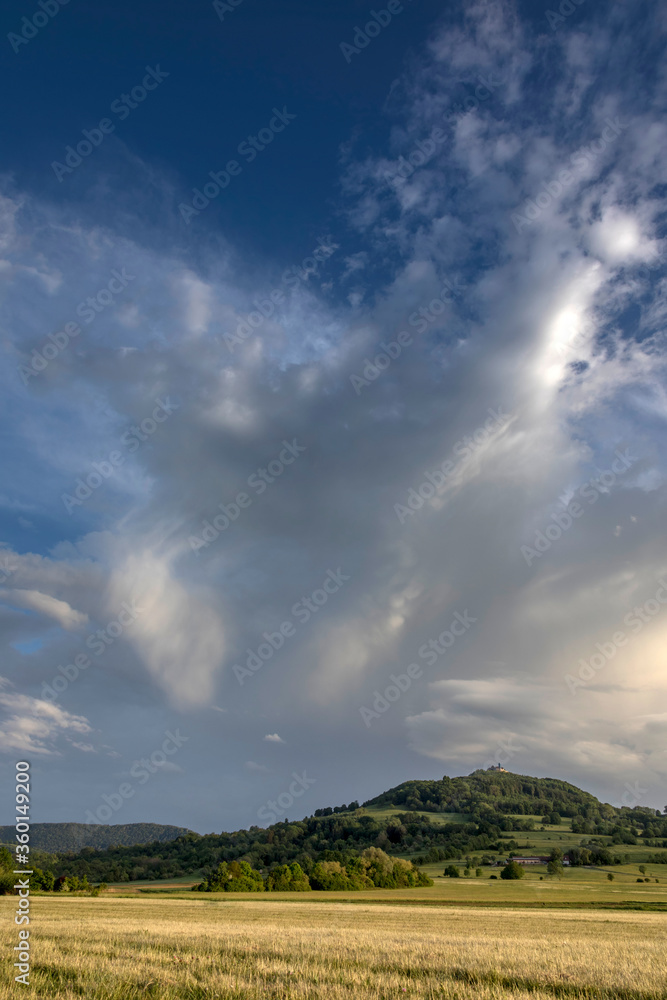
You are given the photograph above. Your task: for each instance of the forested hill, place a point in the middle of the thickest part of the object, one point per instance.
(420, 820)
(487, 792)
(55, 838)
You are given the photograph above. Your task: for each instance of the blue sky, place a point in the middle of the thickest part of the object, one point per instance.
(407, 365)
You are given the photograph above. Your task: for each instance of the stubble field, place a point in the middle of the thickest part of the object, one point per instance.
(132, 948)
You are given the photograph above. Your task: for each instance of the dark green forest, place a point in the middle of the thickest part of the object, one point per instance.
(488, 805)
(58, 837)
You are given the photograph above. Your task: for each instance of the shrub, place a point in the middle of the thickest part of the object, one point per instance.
(512, 870)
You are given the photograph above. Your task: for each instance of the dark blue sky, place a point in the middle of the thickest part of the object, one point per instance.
(225, 78)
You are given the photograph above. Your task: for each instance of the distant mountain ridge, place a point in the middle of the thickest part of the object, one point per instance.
(62, 838)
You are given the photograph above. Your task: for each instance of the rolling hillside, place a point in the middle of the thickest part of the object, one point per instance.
(56, 838)
(487, 814)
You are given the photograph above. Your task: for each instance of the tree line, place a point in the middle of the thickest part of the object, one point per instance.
(371, 869)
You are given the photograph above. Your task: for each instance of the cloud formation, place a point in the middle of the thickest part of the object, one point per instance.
(557, 320)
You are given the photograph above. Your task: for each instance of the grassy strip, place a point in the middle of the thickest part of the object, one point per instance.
(387, 900)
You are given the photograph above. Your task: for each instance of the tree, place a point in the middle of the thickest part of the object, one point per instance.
(479, 872)
(642, 869)
(451, 871)
(555, 867)
(330, 876)
(288, 878)
(554, 819)
(555, 863)
(512, 870)
(610, 876)
(7, 878)
(42, 880)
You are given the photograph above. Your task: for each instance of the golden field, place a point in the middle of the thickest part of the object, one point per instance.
(226, 947)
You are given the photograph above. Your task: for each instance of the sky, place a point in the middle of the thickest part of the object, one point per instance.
(333, 397)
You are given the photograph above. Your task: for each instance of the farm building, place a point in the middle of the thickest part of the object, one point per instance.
(530, 860)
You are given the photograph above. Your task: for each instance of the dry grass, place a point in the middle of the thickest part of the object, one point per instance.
(127, 949)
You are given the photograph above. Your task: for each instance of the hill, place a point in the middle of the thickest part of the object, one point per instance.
(425, 821)
(55, 838)
(492, 792)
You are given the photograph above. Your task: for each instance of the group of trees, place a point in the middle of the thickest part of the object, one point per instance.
(38, 879)
(453, 871)
(328, 811)
(41, 879)
(373, 868)
(304, 841)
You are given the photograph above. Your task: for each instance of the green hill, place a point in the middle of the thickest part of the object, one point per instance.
(425, 821)
(55, 838)
(492, 792)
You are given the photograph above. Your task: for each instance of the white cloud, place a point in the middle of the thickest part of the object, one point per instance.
(32, 725)
(178, 636)
(51, 607)
(252, 765)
